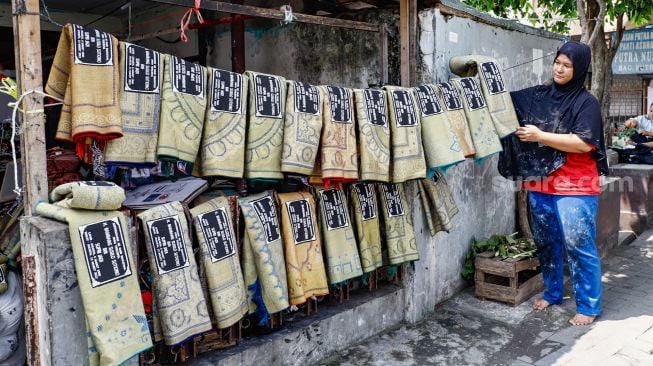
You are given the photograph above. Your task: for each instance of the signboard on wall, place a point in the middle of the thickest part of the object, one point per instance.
(635, 53)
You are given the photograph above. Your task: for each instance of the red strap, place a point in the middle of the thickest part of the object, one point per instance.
(185, 19)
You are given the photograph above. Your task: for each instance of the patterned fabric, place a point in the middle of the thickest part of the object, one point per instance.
(365, 213)
(398, 223)
(439, 205)
(373, 134)
(175, 279)
(303, 247)
(339, 150)
(89, 195)
(454, 109)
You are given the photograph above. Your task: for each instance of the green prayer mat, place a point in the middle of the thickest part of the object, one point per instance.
(342, 258)
(439, 205)
(407, 152)
(453, 105)
(365, 213)
(494, 89)
(3, 274)
(267, 96)
(373, 134)
(183, 106)
(339, 149)
(302, 127)
(485, 138)
(176, 285)
(140, 102)
(91, 195)
(225, 127)
(399, 236)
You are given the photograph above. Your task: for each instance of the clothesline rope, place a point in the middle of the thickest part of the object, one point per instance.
(185, 20)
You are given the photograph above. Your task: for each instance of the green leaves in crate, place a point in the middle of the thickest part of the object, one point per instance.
(504, 246)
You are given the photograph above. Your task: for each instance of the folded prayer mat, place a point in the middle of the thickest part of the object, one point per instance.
(140, 101)
(399, 236)
(4, 285)
(407, 152)
(225, 127)
(180, 302)
(338, 148)
(183, 106)
(302, 127)
(303, 248)
(267, 96)
(454, 109)
(365, 213)
(485, 138)
(373, 134)
(92, 195)
(107, 277)
(342, 258)
(85, 75)
(494, 89)
(264, 266)
(219, 254)
(439, 205)
(441, 145)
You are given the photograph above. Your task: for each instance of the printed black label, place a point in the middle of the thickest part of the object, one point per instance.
(168, 244)
(217, 234)
(335, 212)
(301, 220)
(267, 89)
(492, 76)
(105, 251)
(340, 104)
(187, 77)
(97, 183)
(366, 201)
(450, 96)
(375, 107)
(142, 67)
(393, 199)
(428, 100)
(92, 47)
(267, 215)
(307, 98)
(404, 108)
(473, 94)
(226, 95)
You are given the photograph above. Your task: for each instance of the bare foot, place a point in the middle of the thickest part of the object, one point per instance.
(540, 304)
(580, 319)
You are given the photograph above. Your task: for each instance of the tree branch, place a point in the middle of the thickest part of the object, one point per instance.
(598, 22)
(618, 36)
(582, 16)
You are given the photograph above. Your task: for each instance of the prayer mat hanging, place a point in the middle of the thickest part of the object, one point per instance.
(365, 213)
(373, 134)
(454, 108)
(399, 236)
(439, 205)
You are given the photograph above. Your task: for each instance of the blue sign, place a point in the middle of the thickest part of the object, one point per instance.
(635, 53)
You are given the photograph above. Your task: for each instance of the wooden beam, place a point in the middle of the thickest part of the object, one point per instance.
(407, 39)
(383, 54)
(238, 44)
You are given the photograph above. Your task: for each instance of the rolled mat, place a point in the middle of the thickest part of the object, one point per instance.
(303, 248)
(365, 213)
(107, 278)
(140, 101)
(373, 134)
(90, 195)
(485, 138)
(267, 96)
(85, 76)
(302, 128)
(180, 302)
(339, 150)
(439, 205)
(407, 152)
(219, 254)
(183, 105)
(454, 109)
(225, 127)
(398, 223)
(441, 146)
(342, 258)
(494, 89)
(264, 267)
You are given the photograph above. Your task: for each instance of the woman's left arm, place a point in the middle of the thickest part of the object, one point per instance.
(567, 142)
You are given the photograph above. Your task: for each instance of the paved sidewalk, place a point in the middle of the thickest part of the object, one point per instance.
(467, 331)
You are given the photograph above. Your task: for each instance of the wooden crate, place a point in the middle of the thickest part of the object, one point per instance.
(511, 281)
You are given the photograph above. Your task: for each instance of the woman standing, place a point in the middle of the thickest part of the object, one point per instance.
(564, 119)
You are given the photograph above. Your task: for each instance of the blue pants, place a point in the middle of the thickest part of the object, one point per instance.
(568, 222)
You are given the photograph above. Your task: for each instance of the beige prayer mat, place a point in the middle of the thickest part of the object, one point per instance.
(373, 134)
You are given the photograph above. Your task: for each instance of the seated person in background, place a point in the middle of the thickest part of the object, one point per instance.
(643, 124)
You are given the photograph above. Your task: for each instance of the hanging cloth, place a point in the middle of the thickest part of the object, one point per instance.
(183, 107)
(365, 213)
(399, 236)
(407, 151)
(339, 150)
(85, 76)
(493, 87)
(441, 145)
(485, 138)
(180, 302)
(454, 108)
(342, 258)
(302, 128)
(373, 134)
(439, 205)
(267, 95)
(303, 248)
(225, 127)
(140, 102)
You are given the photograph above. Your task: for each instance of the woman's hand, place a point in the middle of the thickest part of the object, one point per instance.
(529, 133)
